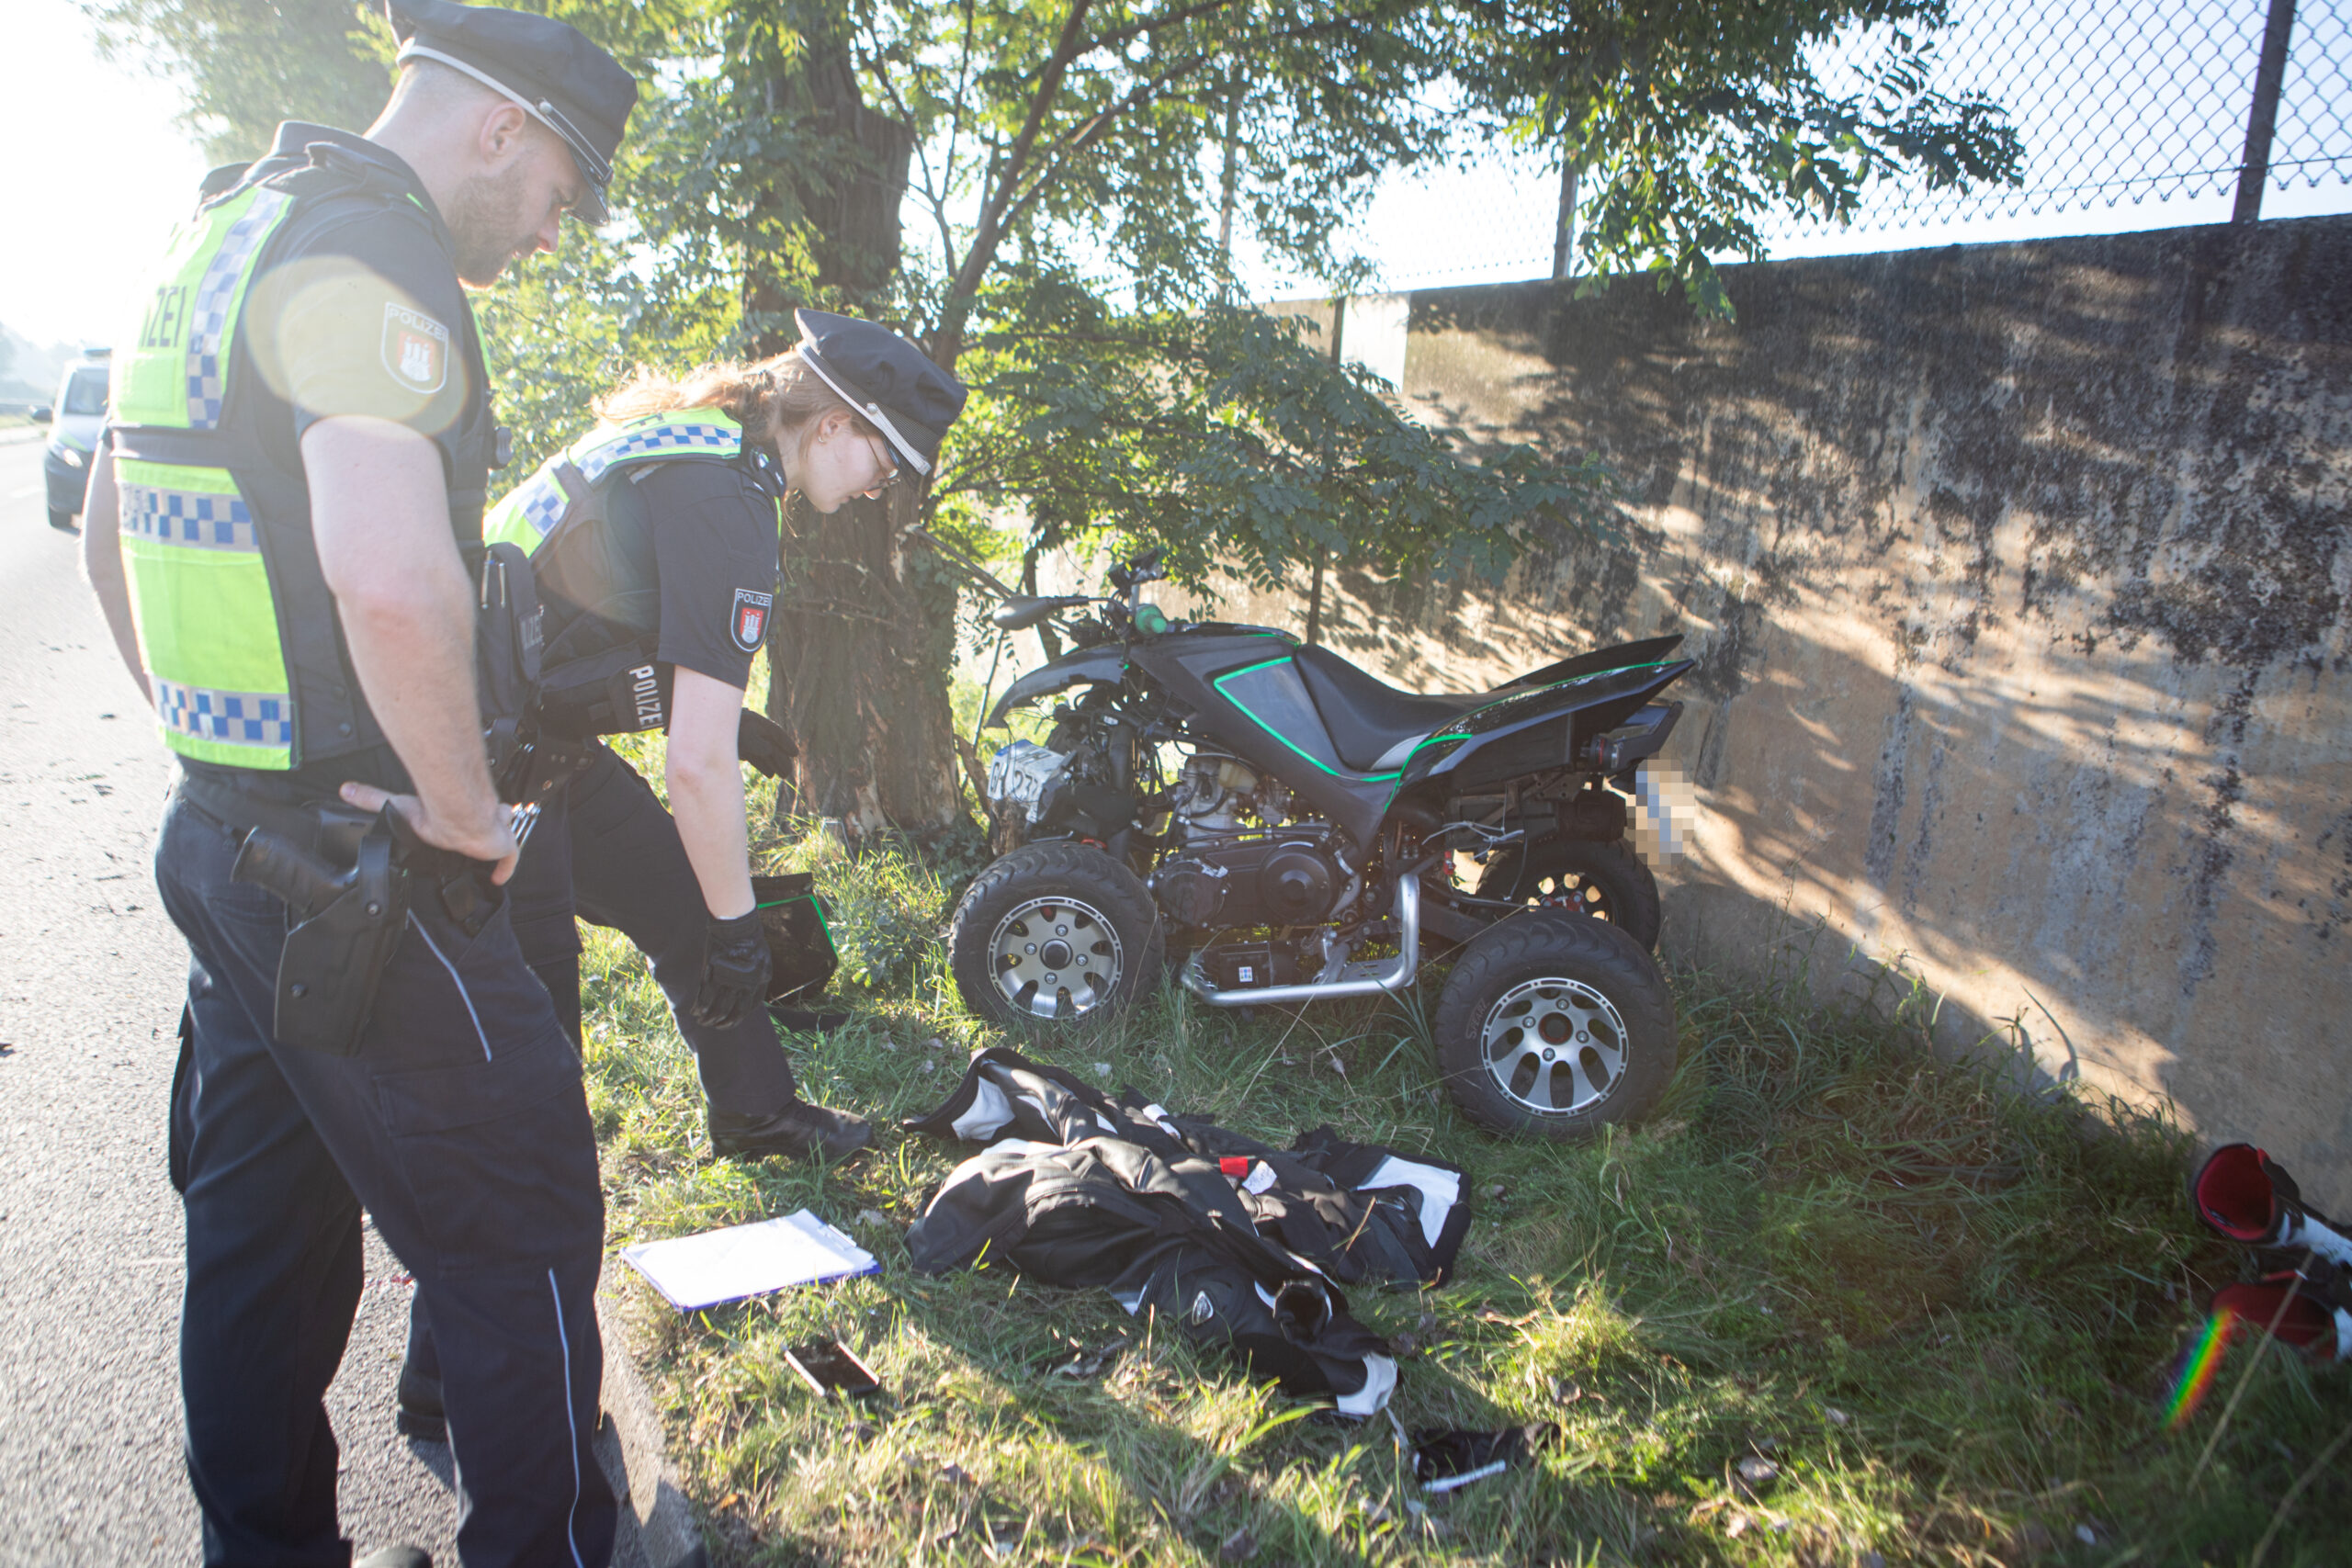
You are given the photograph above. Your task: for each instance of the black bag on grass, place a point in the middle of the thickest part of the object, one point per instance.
(800, 944)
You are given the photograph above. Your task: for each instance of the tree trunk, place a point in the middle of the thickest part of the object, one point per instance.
(858, 664)
(865, 627)
(839, 181)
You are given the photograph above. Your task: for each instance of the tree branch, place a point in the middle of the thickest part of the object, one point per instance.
(1049, 164)
(937, 197)
(990, 228)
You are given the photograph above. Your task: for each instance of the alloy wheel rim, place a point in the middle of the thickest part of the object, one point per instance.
(1574, 891)
(1056, 958)
(1554, 1046)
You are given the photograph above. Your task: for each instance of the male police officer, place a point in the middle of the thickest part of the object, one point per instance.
(300, 448)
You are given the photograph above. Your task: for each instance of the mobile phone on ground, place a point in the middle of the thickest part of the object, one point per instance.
(831, 1368)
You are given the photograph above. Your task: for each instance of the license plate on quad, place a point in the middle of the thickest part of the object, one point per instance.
(1665, 809)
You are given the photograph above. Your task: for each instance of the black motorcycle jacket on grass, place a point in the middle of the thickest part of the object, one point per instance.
(1242, 1245)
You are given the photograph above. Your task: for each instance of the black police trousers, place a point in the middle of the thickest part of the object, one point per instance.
(461, 1127)
(606, 849)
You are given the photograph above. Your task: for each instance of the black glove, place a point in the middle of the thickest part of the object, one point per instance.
(765, 744)
(735, 970)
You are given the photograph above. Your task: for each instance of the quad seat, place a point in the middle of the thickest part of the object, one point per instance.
(1373, 725)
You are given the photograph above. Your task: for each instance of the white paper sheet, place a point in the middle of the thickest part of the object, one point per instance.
(697, 1271)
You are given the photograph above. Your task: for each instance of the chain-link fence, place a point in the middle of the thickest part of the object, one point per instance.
(2133, 114)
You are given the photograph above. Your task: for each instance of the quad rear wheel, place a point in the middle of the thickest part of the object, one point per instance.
(1601, 878)
(1054, 936)
(1554, 1024)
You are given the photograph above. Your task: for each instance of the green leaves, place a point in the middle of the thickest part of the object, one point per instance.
(1227, 438)
(1073, 164)
(1692, 122)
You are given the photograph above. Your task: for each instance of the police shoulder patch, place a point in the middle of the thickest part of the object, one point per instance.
(416, 349)
(748, 623)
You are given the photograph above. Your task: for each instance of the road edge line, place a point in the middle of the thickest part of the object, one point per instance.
(666, 1525)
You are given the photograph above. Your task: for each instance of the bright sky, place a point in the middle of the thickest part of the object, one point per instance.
(96, 173)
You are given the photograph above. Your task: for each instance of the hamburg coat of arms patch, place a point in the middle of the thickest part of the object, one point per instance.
(750, 619)
(416, 349)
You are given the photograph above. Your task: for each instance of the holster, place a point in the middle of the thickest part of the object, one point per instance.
(345, 926)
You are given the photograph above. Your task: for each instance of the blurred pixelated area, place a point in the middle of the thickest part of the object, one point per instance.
(1665, 810)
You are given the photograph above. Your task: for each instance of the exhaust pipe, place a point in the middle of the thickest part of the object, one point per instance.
(1372, 978)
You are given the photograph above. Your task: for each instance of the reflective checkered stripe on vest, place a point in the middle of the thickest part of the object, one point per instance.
(536, 511)
(199, 586)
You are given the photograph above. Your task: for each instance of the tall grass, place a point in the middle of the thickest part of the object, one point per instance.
(1946, 1314)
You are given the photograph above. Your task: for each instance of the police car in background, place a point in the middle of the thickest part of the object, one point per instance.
(78, 418)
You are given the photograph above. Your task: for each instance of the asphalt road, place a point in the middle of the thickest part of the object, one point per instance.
(90, 1247)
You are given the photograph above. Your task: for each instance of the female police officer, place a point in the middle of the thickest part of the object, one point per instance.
(655, 540)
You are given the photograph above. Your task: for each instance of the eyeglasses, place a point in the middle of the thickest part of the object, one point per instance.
(890, 464)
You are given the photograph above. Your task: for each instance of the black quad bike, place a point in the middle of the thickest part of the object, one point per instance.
(1325, 835)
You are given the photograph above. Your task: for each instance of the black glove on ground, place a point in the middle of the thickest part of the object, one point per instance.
(735, 971)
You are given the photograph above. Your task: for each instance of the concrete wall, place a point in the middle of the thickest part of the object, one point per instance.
(2018, 576)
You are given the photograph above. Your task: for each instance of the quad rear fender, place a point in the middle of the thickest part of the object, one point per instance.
(1536, 731)
(1648, 650)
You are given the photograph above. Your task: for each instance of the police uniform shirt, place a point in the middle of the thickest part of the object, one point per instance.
(715, 546)
(688, 555)
(367, 317)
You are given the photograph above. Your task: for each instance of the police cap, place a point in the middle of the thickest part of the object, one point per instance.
(549, 67)
(885, 377)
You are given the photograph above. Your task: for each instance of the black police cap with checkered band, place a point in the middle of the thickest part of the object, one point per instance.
(885, 377)
(549, 67)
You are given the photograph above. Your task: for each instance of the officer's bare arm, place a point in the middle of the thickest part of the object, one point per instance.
(381, 515)
(102, 567)
(707, 790)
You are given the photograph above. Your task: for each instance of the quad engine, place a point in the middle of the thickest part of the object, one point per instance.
(1238, 862)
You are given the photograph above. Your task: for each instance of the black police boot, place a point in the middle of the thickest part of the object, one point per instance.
(419, 1414)
(800, 1129)
(396, 1557)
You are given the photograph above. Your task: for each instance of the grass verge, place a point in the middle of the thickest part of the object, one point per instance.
(1944, 1316)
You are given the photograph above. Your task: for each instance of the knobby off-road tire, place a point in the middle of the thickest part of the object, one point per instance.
(1055, 936)
(1553, 1025)
(1601, 878)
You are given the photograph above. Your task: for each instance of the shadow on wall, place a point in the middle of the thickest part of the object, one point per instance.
(2018, 578)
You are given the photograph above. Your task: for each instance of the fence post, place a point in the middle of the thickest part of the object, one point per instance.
(2262, 118)
(1564, 237)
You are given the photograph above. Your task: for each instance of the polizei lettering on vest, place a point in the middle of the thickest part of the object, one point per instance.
(647, 690)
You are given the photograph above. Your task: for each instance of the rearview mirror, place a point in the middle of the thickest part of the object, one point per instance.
(42, 415)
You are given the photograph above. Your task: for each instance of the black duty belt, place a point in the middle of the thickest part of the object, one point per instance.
(302, 823)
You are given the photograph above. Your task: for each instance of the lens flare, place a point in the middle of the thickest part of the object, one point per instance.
(2197, 1371)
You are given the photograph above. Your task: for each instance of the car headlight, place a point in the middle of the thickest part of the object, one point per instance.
(73, 458)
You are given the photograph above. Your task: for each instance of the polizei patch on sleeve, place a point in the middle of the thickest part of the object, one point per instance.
(750, 619)
(416, 349)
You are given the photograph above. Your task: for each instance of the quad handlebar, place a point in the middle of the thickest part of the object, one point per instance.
(1021, 612)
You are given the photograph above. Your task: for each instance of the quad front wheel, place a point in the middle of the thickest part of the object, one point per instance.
(1554, 1024)
(1053, 934)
